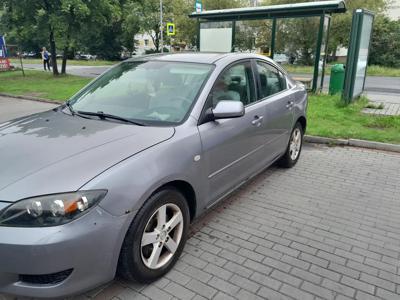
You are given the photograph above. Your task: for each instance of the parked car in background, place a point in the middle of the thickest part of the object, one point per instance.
(281, 58)
(85, 56)
(110, 181)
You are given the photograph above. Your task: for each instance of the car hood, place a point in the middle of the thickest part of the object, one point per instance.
(54, 152)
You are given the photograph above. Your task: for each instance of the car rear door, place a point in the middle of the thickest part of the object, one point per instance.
(232, 148)
(278, 101)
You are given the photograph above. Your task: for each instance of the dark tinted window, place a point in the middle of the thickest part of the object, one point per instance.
(271, 80)
(235, 83)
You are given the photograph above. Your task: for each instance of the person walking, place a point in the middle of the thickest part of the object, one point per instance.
(46, 59)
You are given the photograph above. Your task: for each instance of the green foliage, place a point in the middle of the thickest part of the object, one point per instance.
(385, 44)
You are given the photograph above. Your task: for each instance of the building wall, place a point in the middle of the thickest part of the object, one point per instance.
(393, 11)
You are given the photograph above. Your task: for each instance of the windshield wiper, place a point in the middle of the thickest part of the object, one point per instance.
(70, 108)
(103, 116)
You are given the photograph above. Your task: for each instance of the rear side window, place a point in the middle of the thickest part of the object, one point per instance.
(271, 80)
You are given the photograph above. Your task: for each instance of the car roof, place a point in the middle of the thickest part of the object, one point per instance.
(197, 57)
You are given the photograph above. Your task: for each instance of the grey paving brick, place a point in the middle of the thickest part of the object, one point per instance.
(386, 295)
(155, 293)
(238, 269)
(359, 285)
(194, 272)
(364, 296)
(223, 285)
(303, 248)
(274, 263)
(257, 267)
(223, 296)
(318, 290)
(270, 294)
(344, 270)
(337, 287)
(244, 283)
(218, 271)
(286, 250)
(243, 294)
(388, 285)
(380, 265)
(267, 281)
(232, 256)
(290, 260)
(389, 276)
(178, 277)
(331, 257)
(251, 254)
(302, 274)
(295, 292)
(209, 257)
(194, 261)
(284, 277)
(314, 260)
(362, 267)
(323, 272)
(179, 291)
(201, 288)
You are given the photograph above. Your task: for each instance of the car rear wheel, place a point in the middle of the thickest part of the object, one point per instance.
(293, 150)
(156, 237)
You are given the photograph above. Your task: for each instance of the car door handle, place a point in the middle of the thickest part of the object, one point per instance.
(257, 120)
(289, 104)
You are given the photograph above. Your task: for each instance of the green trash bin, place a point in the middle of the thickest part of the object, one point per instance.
(337, 79)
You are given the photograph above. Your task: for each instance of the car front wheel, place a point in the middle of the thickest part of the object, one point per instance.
(155, 238)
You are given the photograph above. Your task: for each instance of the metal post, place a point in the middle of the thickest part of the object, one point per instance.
(325, 51)
(273, 34)
(233, 36)
(161, 27)
(198, 35)
(318, 53)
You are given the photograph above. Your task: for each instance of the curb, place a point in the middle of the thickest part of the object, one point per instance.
(30, 98)
(353, 143)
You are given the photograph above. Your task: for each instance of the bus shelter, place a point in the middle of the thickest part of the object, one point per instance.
(216, 28)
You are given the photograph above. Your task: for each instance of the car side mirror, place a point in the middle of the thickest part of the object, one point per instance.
(227, 109)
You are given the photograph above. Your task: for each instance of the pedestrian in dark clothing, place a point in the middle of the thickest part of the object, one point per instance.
(46, 59)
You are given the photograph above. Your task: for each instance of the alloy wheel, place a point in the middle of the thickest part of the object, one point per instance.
(295, 144)
(162, 236)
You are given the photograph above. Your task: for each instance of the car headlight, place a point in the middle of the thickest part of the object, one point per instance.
(50, 210)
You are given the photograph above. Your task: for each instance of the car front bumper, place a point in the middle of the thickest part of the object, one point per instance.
(89, 246)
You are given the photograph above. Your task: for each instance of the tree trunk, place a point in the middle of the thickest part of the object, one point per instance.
(64, 61)
(53, 52)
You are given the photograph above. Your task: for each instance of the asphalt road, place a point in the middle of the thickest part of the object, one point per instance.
(11, 108)
(373, 84)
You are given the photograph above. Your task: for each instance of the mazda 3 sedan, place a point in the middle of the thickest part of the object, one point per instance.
(109, 182)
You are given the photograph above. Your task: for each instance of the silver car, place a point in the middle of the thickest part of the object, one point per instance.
(109, 182)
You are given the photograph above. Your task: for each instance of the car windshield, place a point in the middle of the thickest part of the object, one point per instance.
(153, 92)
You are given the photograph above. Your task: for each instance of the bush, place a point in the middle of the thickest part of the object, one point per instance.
(385, 44)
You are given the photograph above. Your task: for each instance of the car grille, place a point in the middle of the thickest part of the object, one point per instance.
(53, 278)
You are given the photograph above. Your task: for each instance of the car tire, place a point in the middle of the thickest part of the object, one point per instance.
(146, 236)
(293, 150)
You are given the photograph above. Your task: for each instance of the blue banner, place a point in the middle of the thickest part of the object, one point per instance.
(3, 48)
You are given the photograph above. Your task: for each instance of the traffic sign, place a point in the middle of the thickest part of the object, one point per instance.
(198, 6)
(170, 29)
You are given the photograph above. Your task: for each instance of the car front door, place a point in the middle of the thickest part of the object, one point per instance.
(278, 101)
(232, 147)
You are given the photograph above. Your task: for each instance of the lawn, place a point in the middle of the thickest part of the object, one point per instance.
(70, 62)
(41, 84)
(371, 71)
(329, 118)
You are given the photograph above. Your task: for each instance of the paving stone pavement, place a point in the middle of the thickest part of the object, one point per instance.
(390, 102)
(327, 229)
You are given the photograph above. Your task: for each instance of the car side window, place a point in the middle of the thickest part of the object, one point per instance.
(271, 80)
(235, 83)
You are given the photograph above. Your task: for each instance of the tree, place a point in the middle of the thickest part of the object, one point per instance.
(385, 43)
